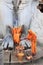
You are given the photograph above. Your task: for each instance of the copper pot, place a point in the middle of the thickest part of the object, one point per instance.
(20, 56)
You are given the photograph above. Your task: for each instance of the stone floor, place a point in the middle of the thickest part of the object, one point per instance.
(37, 60)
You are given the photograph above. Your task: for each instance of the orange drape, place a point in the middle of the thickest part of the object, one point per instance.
(16, 32)
(32, 37)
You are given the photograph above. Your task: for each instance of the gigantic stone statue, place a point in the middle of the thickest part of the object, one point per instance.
(32, 17)
(25, 12)
(37, 22)
(6, 15)
(6, 19)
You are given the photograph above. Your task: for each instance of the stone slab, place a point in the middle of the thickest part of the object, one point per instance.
(14, 59)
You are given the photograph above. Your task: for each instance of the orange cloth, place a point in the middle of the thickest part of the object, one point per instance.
(33, 47)
(16, 38)
(32, 36)
(16, 32)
